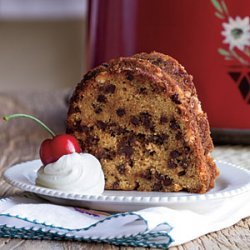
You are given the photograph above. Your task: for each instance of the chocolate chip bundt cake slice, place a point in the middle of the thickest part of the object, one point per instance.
(126, 113)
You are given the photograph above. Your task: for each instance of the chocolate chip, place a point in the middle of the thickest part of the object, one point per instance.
(84, 129)
(109, 89)
(187, 149)
(115, 129)
(125, 148)
(174, 125)
(172, 164)
(77, 125)
(131, 163)
(181, 173)
(107, 154)
(134, 120)
(159, 176)
(113, 134)
(101, 125)
(175, 98)
(137, 185)
(158, 61)
(142, 90)
(131, 139)
(157, 186)
(158, 139)
(144, 116)
(120, 130)
(141, 137)
(163, 119)
(146, 174)
(96, 108)
(145, 119)
(92, 140)
(91, 74)
(164, 179)
(77, 109)
(101, 98)
(174, 154)
(184, 163)
(82, 145)
(129, 76)
(167, 180)
(76, 98)
(178, 136)
(113, 125)
(127, 139)
(120, 112)
(121, 168)
(116, 185)
(179, 111)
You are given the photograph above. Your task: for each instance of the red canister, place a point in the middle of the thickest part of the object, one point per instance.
(210, 38)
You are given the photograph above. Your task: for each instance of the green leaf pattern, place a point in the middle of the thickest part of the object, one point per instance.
(217, 5)
(223, 52)
(224, 6)
(217, 14)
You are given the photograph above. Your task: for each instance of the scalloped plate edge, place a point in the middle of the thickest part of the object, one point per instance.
(120, 198)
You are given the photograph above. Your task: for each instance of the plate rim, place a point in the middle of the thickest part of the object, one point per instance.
(128, 199)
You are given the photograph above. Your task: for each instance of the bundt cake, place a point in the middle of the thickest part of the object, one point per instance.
(140, 116)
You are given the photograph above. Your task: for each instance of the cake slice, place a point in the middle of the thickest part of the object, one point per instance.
(135, 118)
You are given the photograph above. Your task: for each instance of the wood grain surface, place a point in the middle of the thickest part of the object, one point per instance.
(20, 140)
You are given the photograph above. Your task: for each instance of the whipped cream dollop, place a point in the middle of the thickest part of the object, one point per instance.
(79, 173)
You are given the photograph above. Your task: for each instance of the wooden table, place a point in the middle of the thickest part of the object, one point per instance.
(20, 140)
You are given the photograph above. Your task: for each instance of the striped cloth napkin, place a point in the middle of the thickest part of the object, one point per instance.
(29, 217)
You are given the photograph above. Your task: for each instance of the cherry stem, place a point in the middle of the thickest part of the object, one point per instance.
(9, 117)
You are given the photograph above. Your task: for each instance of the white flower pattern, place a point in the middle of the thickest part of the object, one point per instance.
(236, 45)
(237, 32)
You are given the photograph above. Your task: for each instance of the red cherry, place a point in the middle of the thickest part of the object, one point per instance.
(52, 149)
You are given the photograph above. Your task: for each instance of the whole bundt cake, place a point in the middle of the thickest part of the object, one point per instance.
(140, 116)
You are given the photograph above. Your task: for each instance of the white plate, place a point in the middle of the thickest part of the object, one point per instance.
(232, 181)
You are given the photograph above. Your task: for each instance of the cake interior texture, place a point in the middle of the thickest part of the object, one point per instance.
(145, 125)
